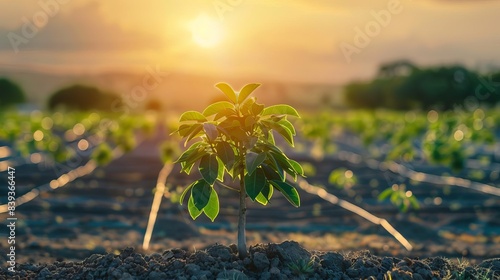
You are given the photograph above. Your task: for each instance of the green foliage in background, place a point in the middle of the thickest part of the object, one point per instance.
(55, 135)
(446, 138)
(450, 139)
(83, 98)
(400, 197)
(342, 178)
(402, 85)
(10, 93)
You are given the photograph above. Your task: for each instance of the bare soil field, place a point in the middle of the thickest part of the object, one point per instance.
(107, 211)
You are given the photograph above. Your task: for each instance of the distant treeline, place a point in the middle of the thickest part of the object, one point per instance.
(83, 98)
(88, 98)
(403, 85)
(76, 97)
(10, 93)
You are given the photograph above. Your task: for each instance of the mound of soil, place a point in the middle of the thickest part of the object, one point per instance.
(287, 260)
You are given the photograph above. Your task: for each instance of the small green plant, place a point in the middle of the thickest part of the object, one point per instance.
(103, 154)
(235, 137)
(399, 196)
(169, 151)
(302, 266)
(342, 178)
(463, 273)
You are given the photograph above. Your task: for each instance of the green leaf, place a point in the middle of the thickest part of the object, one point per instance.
(237, 168)
(187, 167)
(228, 112)
(246, 91)
(197, 153)
(270, 138)
(185, 155)
(231, 122)
(257, 108)
(394, 198)
(193, 157)
(270, 173)
(253, 160)
(414, 202)
(192, 116)
(246, 106)
(209, 168)
(285, 132)
(226, 154)
(249, 122)
(235, 133)
(186, 191)
(265, 195)
(297, 167)
(286, 123)
(210, 131)
(220, 174)
(385, 194)
(217, 107)
(201, 194)
(193, 211)
(254, 183)
(288, 191)
(260, 198)
(183, 129)
(268, 191)
(270, 147)
(194, 132)
(282, 130)
(228, 91)
(275, 166)
(212, 208)
(284, 163)
(250, 142)
(280, 110)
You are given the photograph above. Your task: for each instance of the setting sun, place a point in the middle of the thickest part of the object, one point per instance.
(206, 31)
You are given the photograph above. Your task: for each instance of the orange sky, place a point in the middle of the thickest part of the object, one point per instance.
(302, 40)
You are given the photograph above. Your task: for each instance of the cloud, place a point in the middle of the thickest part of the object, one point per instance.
(84, 28)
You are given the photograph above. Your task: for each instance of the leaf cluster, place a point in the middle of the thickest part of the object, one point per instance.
(302, 266)
(400, 197)
(236, 137)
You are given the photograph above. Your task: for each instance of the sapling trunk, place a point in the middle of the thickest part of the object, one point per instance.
(242, 242)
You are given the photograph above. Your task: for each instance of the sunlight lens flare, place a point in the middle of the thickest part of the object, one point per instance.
(206, 31)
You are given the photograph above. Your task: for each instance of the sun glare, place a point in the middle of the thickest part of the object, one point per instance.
(206, 31)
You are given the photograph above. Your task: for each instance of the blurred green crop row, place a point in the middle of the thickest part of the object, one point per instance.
(61, 135)
(447, 137)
